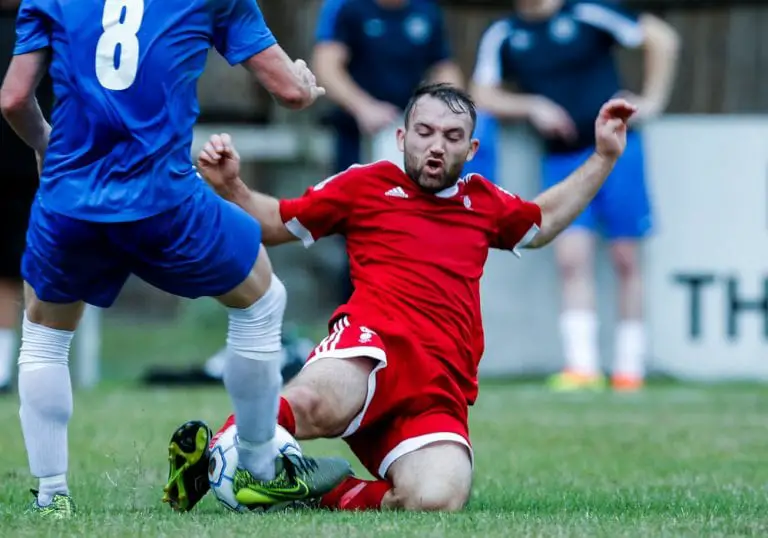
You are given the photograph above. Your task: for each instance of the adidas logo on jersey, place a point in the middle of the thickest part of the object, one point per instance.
(397, 192)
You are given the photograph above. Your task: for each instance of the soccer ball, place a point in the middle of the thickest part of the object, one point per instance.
(223, 464)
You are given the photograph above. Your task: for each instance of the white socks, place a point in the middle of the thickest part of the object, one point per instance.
(579, 332)
(629, 359)
(252, 378)
(8, 352)
(45, 392)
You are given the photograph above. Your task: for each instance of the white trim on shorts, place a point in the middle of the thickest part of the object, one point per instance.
(417, 443)
(327, 350)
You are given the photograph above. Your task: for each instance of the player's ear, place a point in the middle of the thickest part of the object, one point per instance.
(473, 146)
(401, 139)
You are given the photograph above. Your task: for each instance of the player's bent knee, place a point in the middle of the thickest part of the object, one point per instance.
(255, 285)
(258, 329)
(42, 347)
(327, 395)
(314, 415)
(431, 501)
(625, 259)
(436, 478)
(63, 317)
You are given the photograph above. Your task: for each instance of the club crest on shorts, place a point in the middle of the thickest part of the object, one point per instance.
(366, 335)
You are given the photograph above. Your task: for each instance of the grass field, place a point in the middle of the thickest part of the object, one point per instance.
(672, 461)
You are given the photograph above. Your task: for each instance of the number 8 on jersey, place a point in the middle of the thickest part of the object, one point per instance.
(117, 51)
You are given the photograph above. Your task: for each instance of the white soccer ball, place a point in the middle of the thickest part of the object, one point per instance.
(223, 464)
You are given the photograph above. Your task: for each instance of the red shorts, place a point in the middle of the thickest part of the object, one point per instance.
(412, 399)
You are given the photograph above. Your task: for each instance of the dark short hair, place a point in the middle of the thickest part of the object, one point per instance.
(455, 98)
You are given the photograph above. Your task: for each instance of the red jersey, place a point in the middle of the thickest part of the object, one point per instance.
(416, 258)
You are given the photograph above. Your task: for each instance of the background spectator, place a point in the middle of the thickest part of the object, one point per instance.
(560, 55)
(370, 55)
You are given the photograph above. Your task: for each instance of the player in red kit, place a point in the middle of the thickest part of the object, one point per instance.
(396, 374)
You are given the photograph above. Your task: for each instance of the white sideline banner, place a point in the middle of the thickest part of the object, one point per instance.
(707, 265)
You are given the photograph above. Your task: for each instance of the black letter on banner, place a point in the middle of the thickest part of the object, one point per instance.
(737, 305)
(695, 283)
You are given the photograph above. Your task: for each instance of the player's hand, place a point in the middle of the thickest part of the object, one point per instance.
(611, 128)
(219, 164)
(310, 82)
(551, 120)
(376, 116)
(647, 109)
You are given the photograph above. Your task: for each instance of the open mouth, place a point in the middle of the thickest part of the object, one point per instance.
(434, 166)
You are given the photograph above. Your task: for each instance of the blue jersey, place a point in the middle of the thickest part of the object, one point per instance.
(567, 58)
(390, 49)
(125, 75)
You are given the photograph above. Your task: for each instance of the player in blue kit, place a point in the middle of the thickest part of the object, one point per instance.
(552, 63)
(119, 195)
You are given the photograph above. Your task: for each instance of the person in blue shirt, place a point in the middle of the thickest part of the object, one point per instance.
(370, 55)
(559, 54)
(119, 195)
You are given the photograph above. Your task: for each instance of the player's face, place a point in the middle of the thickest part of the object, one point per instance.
(436, 143)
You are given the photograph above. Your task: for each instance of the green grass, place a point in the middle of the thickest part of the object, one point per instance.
(672, 461)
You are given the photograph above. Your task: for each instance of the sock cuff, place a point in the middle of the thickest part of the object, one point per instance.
(273, 300)
(42, 345)
(630, 326)
(582, 318)
(365, 496)
(30, 327)
(256, 332)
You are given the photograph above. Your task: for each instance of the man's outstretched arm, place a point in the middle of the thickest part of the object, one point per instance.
(323, 209)
(561, 204)
(219, 165)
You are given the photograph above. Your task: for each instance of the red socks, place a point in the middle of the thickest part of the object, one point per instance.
(285, 416)
(353, 493)
(356, 494)
(230, 420)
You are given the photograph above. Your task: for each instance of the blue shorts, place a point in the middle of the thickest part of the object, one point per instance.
(621, 210)
(204, 247)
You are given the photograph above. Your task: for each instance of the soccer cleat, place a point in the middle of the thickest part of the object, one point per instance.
(626, 383)
(61, 507)
(188, 454)
(569, 381)
(297, 478)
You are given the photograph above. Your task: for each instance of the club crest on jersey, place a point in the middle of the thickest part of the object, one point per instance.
(520, 40)
(467, 202)
(374, 28)
(418, 29)
(366, 335)
(563, 29)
